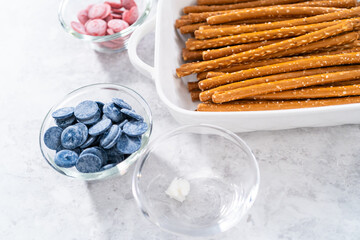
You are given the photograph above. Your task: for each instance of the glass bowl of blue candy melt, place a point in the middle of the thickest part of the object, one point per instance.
(96, 131)
(196, 180)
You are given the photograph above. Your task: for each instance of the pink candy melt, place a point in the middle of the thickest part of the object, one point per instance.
(117, 25)
(131, 16)
(99, 11)
(96, 27)
(128, 4)
(106, 18)
(78, 27)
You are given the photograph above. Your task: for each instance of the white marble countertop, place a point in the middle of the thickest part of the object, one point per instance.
(310, 178)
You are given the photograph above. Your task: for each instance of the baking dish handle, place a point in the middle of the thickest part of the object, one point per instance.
(135, 38)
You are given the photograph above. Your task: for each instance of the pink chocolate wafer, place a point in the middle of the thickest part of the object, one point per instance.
(99, 11)
(96, 27)
(116, 16)
(128, 4)
(118, 11)
(110, 31)
(108, 18)
(131, 16)
(117, 25)
(78, 27)
(83, 16)
(114, 4)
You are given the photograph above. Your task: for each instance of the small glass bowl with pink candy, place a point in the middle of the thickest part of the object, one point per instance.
(106, 25)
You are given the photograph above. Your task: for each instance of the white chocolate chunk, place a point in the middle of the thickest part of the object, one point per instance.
(178, 189)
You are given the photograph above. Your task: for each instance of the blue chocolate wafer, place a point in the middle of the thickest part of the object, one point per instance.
(86, 110)
(128, 145)
(98, 151)
(64, 123)
(114, 156)
(132, 114)
(135, 128)
(71, 137)
(112, 112)
(114, 141)
(66, 158)
(84, 130)
(90, 140)
(123, 123)
(110, 135)
(100, 127)
(108, 166)
(88, 163)
(63, 113)
(52, 138)
(92, 120)
(121, 103)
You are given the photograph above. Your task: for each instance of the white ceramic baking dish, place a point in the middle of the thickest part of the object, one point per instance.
(173, 91)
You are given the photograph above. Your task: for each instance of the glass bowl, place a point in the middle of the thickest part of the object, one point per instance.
(221, 169)
(98, 92)
(117, 42)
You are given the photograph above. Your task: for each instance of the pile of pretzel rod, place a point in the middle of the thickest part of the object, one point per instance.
(271, 54)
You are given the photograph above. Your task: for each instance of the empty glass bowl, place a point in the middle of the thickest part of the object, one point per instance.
(222, 172)
(103, 92)
(117, 42)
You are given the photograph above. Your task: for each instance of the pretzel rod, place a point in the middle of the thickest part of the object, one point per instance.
(346, 83)
(207, 95)
(325, 43)
(214, 74)
(250, 13)
(218, 2)
(251, 21)
(182, 22)
(191, 55)
(313, 92)
(189, 68)
(195, 95)
(248, 65)
(193, 86)
(287, 84)
(226, 51)
(337, 51)
(193, 44)
(252, 4)
(332, 3)
(227, 31)
(274, 105)
(191, 27)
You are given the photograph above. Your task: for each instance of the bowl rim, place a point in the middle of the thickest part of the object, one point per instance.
(122, 167)
(138, 195)
(141, 19)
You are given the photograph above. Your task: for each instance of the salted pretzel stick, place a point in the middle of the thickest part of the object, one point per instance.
(191, 55)
(250, 21)
(274, 105)
(250, 13)
(287, 84)
(189, 68)
(337, 51)
(193, 44)
(207, 95)
(312, 92)
(227, 31)
(325, 43)
(332, 3)
(193, 86)
(226, 51)
(191, 27)
(252, 4)
(214, 74)
(182, 22)
(195, 95)
(248, 65)
(218, 2)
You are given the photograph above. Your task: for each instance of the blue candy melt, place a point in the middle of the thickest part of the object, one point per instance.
(84, 130)
(121, 103)
(106, 167)
(123, 123)
(135, 128)
(66, 158)
(112, 112)
(114, 155)
(52, 138)
(109, 136)
(114, 141)
(98, 151)
(100, 127)
(63, 113)
(128, 145)
(88, 163)
(92, 120)
(90, 140)
(86, 110)
(132, 114)
(64, 123)
(71, 137)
